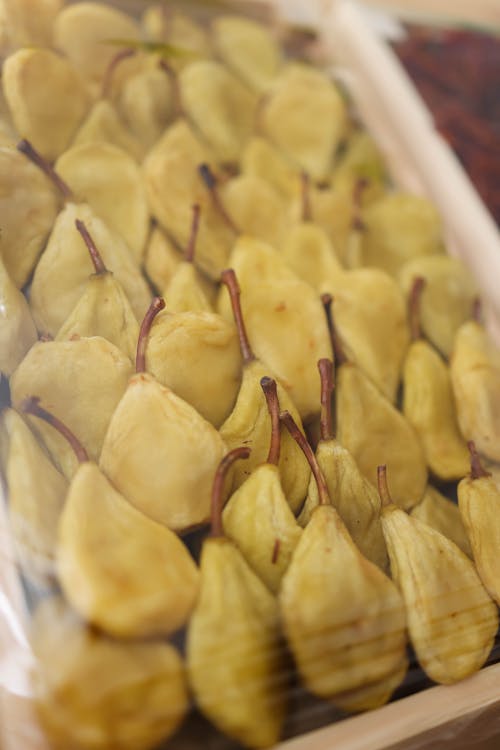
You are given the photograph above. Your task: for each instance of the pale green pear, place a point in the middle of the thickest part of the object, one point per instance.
(28, 22)
(361, 160)
(17, 329)
(103, 125)
(443, 514)
(256, 208)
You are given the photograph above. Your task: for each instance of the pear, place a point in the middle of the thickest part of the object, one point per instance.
(428, 402)
(442, 514)
(36, 492)
(400, 227)
(475, 378)
(234, 654)
(304, 115)
(103, 309)
(248, 48)
(28, 208)
(372, 696)
(248, 423)
(146, 102)
(161, 259)
(256, 208)
(150, 423)
(173, 184)
(47, 99)
(96, 173)
(479, 504)
(178, 29)
(354, 497)
(81, 381)
(261, 159)
(208, 93)
(257, 517)
(93, 693)
(447, 298)
(17, 330)
(103, 125)
(361, 160)
(452, 621)
(28, 22)
(344, 619)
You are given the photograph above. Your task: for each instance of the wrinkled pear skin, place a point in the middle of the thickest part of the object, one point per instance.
(375, 433)
(17, 329)
(260, 522)
(479, 503)
(235, 662)
(80, 382)
(373, 696)
(343, 618)
(185, 292)
(94, 693)
(452, 621)
(443, 515)
(123, 572)
(161, 454)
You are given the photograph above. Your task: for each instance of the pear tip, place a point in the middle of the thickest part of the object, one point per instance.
(477, 470)
(229, 279)
(383, 487)
(270, 389)
(94, 253)
(295, 432)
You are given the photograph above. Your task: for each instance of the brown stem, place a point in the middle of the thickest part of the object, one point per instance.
(276, 552)
(357, 223)
(95, 255)
(477, 310)
(195, 225)
(270, 389)
(414, 307)
(32, 406)
(326, 372)
(383, 487)
(228, 278)
(110, 70)
(140, 359)
(306, 197)
(35, 156)
(217, 529)
(210, 182)
(338, 349)
(477, 469)
(290, 424)
(174, 82)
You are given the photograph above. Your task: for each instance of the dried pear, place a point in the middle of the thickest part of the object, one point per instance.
(261, 159)
(443, 515)
(256, 208)
(17, 329)
(103, 125)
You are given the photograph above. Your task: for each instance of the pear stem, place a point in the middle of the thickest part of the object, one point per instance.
(172, 76)
(228, 278)
(357, 223)
(195, 225)
(95, 255)
(210, 182)
(338, 349)
(293, 429)
(140, 359)
(113, 64)
(306, 197)
(477, 470)
(383, 487)
(270, 389)
(32, 406)
(35, 156)
(477, 311)
(217, 529)
(414, 307)
(276, 552)
(326, 372)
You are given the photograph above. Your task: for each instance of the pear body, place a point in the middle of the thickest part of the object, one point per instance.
(259, 521)
(123, 572)
(103, 125)
(344, 619)
(385, 438)
(443, 515)
(256, 208)
(310, 254)
(184, 292)
(146, 104)
(261, 159)
(429, 405)
(161, 454)
(17, 329)
(372, 696)
(28, 23)
(452, 621)
(161, 259)
(479, 503)
(234, 663)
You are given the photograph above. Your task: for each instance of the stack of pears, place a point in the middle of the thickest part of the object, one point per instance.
(197, 159)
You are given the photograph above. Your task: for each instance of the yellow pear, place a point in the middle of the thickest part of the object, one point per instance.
(81, 381)
(443, 514)
(261, 159)
(361, 160)
(17, 330)
(452, 621)
(161, 259)
(256, 208)
(428, 402)
(179, 29)
(475, 378)
(343, 618)
(36, 492)
(248, 423)
(103, 125)
(146, 103)
(103, 309)
(93, 693)
(234, 654)
(28, 22)
(372, 696)
(479, 504)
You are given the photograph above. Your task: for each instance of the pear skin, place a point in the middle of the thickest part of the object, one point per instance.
(17, 329)
(29, 22)
(146, 104)
(309, 252)
(185, 292)
(256, 208)
(261, 159)
(372, 696)
(443, 515)
(103, 125)
(161, 259)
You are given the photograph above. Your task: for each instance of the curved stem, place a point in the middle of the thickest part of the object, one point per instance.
(306, 196)
(326, 372)
(195, 225)
(32, 406)
(140, 359)
(338, 350)
(95, 255)
(477, 469)
(110, 70)
(270, 389)
(383, 487)
(228, 278)
(290, 424)
(217, 529)
(35, 156)
(414, 307)
(210, 182)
